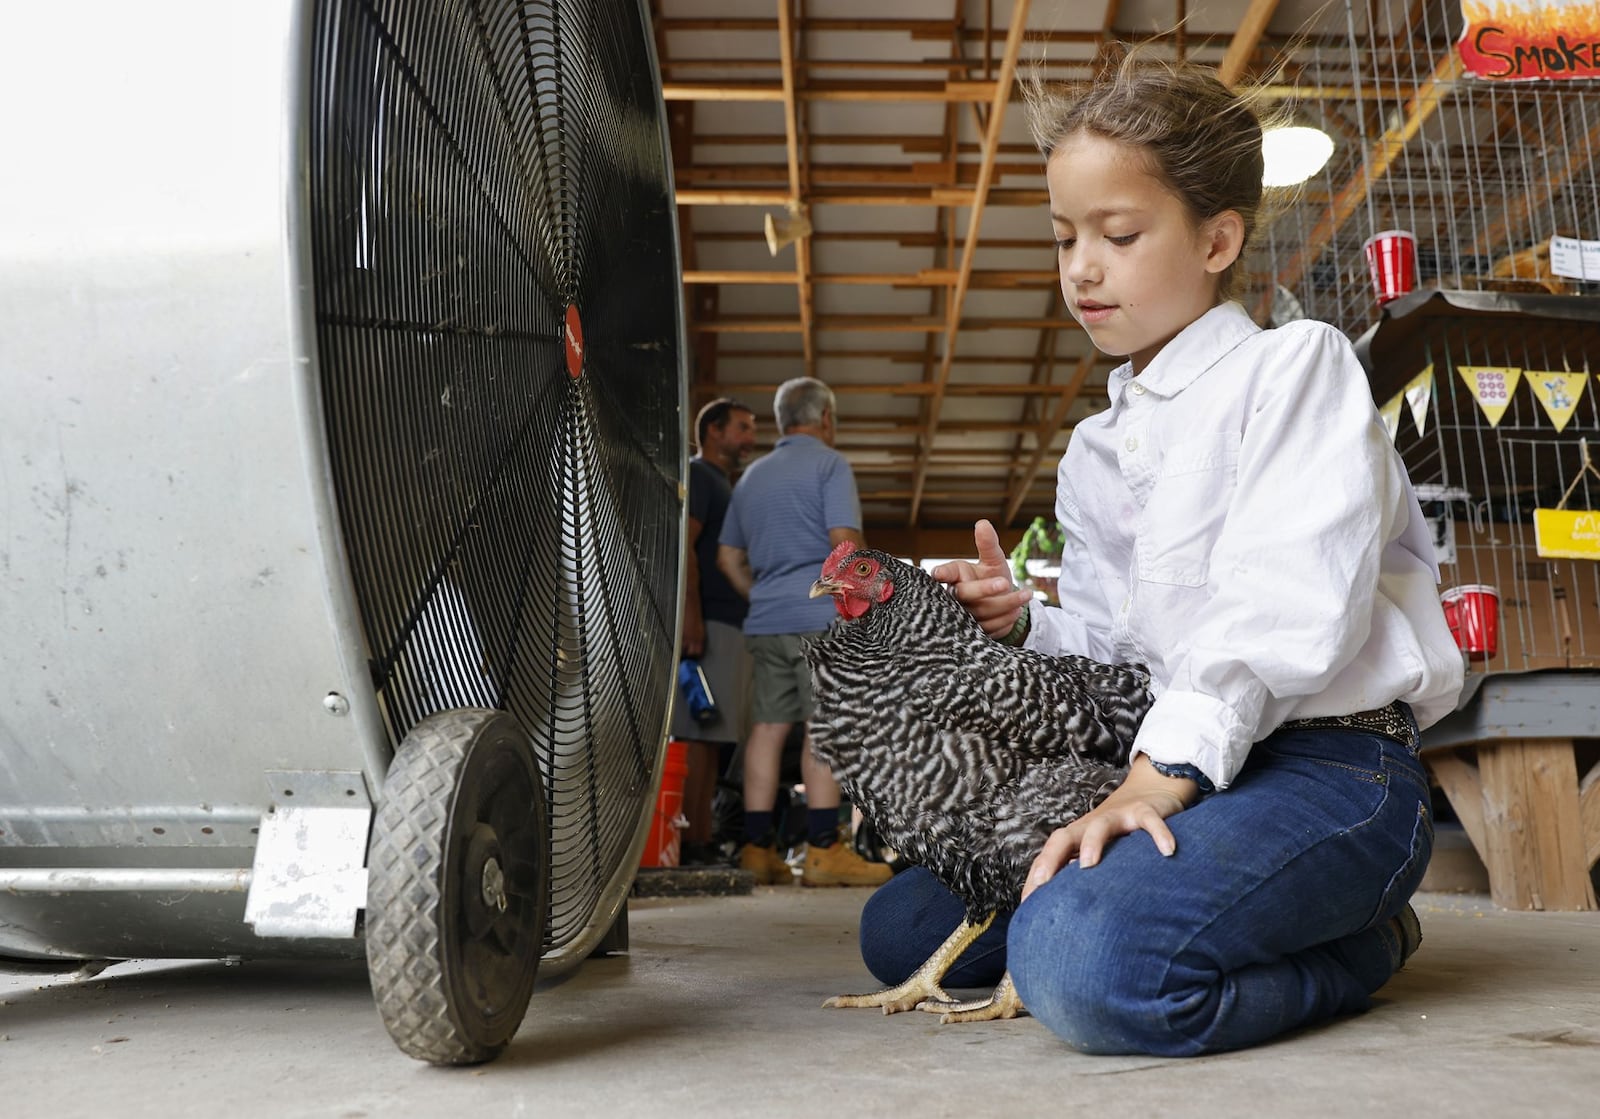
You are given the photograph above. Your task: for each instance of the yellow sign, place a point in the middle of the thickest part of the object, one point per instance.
(1558, 392)
(1491, 387)
(1567, 533)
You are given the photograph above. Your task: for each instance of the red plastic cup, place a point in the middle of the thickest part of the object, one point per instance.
(1473, 614)
(1392, 260)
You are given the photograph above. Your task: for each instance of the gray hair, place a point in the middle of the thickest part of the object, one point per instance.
(800, 403)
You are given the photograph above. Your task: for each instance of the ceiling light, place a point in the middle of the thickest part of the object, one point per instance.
(1293, 155)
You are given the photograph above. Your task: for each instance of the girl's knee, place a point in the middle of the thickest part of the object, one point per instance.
(1070, 961)
(902, 918)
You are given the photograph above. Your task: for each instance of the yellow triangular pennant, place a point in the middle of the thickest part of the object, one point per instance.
(1491, 386)
(1418, 392)
(1391, 415)
(1558, 392)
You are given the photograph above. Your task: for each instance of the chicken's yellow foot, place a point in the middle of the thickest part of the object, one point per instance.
(923, 986)
(1003, 1002)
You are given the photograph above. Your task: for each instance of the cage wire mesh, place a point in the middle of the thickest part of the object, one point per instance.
(512, 523)
(1483, 173)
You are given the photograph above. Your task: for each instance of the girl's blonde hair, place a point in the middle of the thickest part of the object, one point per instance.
(1202, 139)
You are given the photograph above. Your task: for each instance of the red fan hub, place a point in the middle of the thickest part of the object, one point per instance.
(574, 337)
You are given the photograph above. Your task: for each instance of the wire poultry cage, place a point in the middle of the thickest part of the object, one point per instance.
(1485, 466)
(1484, 173)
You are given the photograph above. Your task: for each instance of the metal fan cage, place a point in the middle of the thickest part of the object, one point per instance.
(498, 332)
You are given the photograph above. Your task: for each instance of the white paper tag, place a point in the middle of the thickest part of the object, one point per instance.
(1575, 259)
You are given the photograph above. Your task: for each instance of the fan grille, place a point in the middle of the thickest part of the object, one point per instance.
(513, 530)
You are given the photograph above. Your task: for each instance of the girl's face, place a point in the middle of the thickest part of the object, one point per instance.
(1135, 269)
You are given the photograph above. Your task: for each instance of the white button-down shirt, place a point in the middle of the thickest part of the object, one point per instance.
(1240, 523)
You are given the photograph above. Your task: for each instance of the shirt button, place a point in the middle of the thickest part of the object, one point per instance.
(1132, 444)
(1138, 390)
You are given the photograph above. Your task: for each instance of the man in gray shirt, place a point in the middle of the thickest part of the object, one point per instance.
(787, 513)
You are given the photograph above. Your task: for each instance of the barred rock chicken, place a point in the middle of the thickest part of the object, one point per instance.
(964, 753)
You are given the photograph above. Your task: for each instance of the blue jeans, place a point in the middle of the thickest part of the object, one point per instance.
(1273, 914)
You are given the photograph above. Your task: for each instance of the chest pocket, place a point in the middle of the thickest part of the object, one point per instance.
(1187, 505)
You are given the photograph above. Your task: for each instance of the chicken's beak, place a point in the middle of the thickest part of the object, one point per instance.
(823, 586)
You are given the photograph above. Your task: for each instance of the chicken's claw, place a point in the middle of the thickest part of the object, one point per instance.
(910, 995)
(1002, 1003)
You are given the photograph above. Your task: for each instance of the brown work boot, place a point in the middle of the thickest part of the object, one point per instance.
(766, 864)
(839, 865)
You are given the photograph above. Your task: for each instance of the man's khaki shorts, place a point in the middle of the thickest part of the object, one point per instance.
(782, 691)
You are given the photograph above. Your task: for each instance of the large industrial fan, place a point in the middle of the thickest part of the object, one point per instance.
(342, 487)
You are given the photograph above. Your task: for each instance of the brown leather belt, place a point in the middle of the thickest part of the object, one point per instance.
(1392, 721)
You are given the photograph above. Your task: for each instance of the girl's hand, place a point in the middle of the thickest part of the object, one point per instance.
(1141, 803)
(985, 588)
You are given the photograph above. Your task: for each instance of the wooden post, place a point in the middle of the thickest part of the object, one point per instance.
(1533, 830)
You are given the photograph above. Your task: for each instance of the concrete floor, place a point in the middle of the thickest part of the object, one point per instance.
(715, 1012)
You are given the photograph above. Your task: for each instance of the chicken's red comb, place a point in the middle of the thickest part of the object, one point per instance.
(836, 557)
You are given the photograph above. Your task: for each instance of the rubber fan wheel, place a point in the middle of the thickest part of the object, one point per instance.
(458, 881)
(498, 344)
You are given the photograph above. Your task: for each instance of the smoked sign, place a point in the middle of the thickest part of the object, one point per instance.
(1531, 40)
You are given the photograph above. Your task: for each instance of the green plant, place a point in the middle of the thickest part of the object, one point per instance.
(1041, 539)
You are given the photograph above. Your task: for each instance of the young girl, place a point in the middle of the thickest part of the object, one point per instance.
(1237, 521)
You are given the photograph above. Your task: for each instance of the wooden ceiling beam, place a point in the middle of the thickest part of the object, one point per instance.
(1042, 366)
(884, 65)
(937, 28)
(957, 92)
(1447, 69)
(994, 278)
(991, 142)
(908, 388)
(913, 426)
(796, 203)
(1252, 25)
(922, 172)
(887, 324)
(917, 144)
(1579, 160)
(933, 196)
(951, 91)
(905, 237)
(1044, 436)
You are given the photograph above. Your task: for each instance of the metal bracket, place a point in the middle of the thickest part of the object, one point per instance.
(310, 875)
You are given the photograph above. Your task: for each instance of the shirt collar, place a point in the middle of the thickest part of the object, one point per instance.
(1196, 348)
(795, 438)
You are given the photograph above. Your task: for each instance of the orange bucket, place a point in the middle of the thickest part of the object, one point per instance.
(662, 846)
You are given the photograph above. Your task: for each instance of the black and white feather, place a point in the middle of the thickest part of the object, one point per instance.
(963, 752)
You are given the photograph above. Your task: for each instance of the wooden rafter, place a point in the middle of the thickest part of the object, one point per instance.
(1041, 373)
(933, 196)
(927, 278)
(886, 91)
(1418, 108)
(879, 324)
(957, 298)
(1245, 40)
(796, 203)
(975, 92)
(1044, 354)
(1045, 433)
(910, 388)
(1579, 160)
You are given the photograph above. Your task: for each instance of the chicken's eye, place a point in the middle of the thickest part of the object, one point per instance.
(863, 568)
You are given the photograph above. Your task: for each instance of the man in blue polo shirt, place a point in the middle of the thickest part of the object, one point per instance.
(787, 513)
